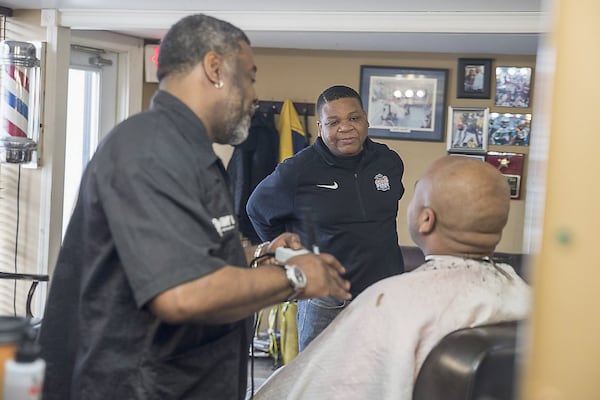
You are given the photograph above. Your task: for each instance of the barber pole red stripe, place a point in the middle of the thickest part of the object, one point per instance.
(14, 130)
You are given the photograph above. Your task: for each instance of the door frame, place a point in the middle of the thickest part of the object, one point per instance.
(130, 66)
(129, 95)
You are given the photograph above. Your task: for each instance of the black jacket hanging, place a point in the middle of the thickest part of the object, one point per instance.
(250, 162)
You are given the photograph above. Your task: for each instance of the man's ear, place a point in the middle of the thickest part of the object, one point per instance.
(426, 221)
(213, 64)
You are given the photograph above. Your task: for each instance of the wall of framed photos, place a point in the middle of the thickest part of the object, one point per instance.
(301, 75)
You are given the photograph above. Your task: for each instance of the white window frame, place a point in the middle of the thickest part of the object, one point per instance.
(130, 77)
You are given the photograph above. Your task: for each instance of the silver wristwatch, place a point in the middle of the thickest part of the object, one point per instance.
(296, 279)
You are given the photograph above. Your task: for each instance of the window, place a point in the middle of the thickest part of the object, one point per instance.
(90, 114)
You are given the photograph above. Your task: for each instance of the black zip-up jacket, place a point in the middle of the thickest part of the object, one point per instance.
(352, 203)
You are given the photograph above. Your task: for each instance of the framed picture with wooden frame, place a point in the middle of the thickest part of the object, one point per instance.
(474, 78)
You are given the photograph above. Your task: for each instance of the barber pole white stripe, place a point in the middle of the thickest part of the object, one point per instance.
(14, 109)
(19, 75)
(12, 86)
(12, 123)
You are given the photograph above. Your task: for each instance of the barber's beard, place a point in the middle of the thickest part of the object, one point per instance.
(240, 131)
(236, 121)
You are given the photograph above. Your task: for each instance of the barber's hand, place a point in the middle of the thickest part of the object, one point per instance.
(323, 276)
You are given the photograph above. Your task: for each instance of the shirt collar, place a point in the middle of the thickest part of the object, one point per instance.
(187, 123)
(344, 162)
(433, 257)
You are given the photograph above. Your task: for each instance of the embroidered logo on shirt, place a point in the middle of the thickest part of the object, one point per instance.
(224, 224)
(382, 182)
(332, 186)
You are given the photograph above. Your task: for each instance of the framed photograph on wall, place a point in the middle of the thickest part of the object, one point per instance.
(467, 129)
(512, 86)
(404, 103)
(474, 78)
(507, 129)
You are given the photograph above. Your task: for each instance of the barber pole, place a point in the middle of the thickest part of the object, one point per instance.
(15, 99)
(17, 60)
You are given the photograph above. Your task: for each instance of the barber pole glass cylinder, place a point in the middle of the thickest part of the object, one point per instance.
(17, 63)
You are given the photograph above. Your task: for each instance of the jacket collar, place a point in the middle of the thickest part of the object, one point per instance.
(342, 162)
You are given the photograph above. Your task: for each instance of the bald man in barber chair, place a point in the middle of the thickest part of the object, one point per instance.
(375, 348)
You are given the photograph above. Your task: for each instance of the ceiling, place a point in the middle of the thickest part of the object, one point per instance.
(463, 26)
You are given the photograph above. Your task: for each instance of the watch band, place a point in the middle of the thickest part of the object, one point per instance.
(260, 247)
(259, 252)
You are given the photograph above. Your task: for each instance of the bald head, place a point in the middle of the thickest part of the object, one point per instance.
(460, 207)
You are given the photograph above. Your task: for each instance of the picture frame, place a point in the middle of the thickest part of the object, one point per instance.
(404, 103)
(467, 129)
(508, 129)
(474, 78)
(513, 86)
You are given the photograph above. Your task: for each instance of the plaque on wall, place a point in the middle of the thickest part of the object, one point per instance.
(511, 166)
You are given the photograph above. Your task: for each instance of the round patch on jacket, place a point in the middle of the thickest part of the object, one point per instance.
(382, 182)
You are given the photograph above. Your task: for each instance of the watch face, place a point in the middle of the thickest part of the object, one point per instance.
(300, 277)
(296, 277)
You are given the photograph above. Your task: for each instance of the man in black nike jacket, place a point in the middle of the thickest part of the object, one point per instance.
(347, 187)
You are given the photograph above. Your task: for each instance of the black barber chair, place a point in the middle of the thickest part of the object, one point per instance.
(471, 364)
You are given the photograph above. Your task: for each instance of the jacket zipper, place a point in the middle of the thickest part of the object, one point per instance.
(360, 199)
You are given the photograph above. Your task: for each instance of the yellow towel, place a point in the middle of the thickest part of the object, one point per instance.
(292, 137)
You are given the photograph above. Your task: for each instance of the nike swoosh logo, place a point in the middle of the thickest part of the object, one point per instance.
(334, 186)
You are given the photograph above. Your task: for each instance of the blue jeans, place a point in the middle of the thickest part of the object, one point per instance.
(314, 315)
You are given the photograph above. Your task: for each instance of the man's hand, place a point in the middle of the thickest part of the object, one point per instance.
(323, 276)
(323, 272)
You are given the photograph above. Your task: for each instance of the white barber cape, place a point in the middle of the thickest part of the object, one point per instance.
(375, 347)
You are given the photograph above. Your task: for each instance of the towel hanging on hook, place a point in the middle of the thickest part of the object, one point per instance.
(292, 137)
